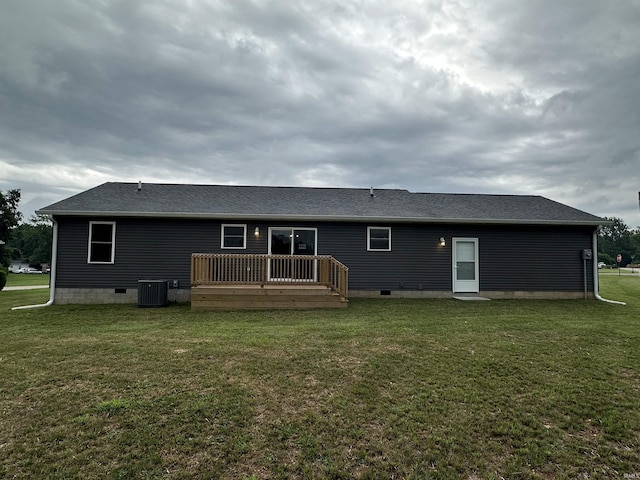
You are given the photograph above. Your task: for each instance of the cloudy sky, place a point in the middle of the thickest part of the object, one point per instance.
(495, 96)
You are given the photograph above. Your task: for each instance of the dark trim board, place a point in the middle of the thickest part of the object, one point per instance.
(512, 258)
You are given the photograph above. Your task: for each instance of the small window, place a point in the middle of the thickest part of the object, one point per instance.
(234, 236)
(102, 242)
(379, 239)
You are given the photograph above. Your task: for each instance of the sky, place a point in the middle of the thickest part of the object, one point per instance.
(537, 97)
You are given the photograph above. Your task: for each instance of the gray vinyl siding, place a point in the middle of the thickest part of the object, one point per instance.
(145, 249)
(511, 258)
(533, 259)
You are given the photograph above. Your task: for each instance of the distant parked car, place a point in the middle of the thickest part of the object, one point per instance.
(601, 264)
(30, 270)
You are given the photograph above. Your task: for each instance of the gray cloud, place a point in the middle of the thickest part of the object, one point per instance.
(499, 97)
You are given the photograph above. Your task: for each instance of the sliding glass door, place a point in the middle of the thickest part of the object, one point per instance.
(292, 243)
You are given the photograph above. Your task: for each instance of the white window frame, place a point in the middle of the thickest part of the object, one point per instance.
(113, 243)
(369, 249)
(244, 236)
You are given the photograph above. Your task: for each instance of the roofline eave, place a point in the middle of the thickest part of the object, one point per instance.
(325, 218)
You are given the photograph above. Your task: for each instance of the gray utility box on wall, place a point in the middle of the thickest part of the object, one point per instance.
(152, 293)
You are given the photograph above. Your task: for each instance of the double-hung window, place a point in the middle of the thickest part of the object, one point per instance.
(102, 242)
(379, 239)
(234, 236)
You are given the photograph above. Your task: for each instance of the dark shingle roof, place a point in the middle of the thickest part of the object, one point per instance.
(255, 202)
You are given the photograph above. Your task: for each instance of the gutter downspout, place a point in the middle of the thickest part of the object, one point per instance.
(54, 261)
(595, 272)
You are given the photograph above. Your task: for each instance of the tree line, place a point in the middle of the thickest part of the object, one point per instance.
(29, 241)
(618, 239)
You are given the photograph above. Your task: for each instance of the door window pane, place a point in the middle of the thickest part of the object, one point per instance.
(466, 271)
(281, 242)
(304, 242)
(466, 251)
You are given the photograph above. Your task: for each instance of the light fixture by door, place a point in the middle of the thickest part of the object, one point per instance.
(443, 242)
(256, 232)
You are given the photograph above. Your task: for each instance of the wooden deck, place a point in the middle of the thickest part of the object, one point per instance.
(267, 297)
(243, 282)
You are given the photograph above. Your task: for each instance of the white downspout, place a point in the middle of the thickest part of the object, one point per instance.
(595, 272)
(52, 274)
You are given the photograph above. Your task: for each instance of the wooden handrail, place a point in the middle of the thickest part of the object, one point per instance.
(259, 269)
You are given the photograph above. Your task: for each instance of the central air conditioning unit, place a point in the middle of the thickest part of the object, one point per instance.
(152, 293)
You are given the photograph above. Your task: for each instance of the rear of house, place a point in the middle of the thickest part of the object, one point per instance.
(393, 242)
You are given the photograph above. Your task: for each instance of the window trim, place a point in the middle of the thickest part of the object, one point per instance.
(244, 236)
(369, 249)
(113, 242)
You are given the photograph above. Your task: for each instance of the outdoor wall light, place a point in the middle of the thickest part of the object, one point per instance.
(256, 232)
(443, 242)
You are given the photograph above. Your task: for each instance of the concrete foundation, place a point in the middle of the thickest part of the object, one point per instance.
(497, 295)
(112, 295)
(183, 295)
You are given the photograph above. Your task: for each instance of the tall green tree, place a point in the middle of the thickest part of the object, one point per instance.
(615, 239)
(32, 241)
(10, 216)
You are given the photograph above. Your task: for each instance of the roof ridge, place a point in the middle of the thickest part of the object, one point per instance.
(481, 194)
(171, 184)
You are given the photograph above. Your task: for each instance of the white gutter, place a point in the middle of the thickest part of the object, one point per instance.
(595, 272)
(52, 274)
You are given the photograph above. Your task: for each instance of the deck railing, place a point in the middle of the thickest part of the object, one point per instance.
(255, 269)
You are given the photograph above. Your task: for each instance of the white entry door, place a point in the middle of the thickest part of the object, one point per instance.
(465, 265)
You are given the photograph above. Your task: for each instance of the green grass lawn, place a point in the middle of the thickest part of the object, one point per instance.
(383, 389)
(22, 279)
